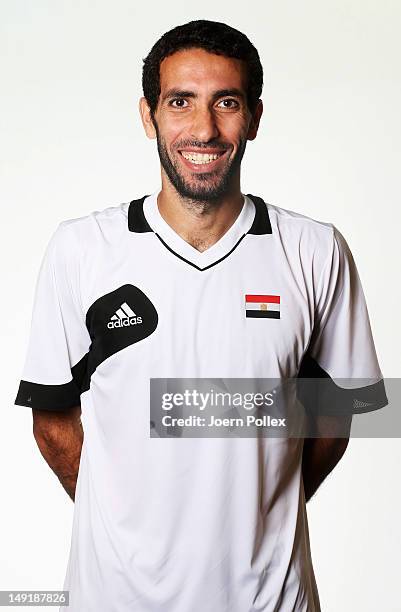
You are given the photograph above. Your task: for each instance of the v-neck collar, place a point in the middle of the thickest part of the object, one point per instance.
(144, 216)
(180, 246)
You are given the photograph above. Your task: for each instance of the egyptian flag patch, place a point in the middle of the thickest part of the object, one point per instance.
(262, 306)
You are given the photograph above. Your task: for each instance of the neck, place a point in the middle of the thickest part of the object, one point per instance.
(200, 223)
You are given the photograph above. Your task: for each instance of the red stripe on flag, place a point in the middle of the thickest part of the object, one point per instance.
(272, 299)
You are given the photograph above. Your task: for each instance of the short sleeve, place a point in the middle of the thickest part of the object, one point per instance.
(59, 340)
(341, 357)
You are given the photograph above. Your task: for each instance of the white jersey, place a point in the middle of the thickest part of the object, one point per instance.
(199, 524)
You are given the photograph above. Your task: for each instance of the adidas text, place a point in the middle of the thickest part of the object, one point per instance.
(124, 322)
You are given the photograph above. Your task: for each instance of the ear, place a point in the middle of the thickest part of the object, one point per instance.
(146, 118)
(254, 125)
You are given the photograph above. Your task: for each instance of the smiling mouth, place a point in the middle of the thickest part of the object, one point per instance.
(201, 159)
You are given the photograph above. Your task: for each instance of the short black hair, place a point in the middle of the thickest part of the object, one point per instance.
(213, 36)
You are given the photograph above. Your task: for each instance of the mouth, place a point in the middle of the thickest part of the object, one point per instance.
(202, 161)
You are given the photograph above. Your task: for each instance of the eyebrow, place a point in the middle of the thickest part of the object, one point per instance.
(220, 93)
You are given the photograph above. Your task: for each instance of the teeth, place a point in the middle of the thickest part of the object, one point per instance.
(199, 158)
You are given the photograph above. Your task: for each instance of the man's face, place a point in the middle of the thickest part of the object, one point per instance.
(202, 122)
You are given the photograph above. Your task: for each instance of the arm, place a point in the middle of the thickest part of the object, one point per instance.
(59, 436)
(321, 454)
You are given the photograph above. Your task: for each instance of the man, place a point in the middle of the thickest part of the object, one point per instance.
(197, 280)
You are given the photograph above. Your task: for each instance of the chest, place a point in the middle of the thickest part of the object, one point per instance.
(249, 315)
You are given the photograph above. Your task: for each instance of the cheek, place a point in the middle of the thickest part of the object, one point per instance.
(233, 131)
(172, 129)
(172, 139)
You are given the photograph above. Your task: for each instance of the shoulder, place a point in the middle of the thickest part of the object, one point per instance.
(316, 243)
(107, 218)
(288, 220)
(84, 232)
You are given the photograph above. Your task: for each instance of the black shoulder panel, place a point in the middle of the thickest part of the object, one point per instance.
(261, 223)
(136, 217)
(116, 320)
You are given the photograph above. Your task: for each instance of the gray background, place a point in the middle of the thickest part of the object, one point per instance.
(328, 147)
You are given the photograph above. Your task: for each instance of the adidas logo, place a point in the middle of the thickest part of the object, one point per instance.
(124, 317)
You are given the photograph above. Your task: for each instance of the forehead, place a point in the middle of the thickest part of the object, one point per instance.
(197, 68)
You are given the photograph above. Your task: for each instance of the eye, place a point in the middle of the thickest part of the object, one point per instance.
(177, 100)
(230, 100)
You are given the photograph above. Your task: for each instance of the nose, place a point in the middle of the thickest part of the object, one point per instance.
(204, 126)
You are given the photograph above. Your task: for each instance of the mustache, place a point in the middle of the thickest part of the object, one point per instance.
(202, 145)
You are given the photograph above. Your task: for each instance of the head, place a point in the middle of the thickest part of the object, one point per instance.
(202, 83)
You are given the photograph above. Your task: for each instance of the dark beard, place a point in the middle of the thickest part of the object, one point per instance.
(197, 193)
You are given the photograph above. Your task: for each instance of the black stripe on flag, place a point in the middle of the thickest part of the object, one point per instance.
(263, 314)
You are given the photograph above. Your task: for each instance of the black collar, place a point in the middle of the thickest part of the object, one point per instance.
(136, 217)
(261, 224)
